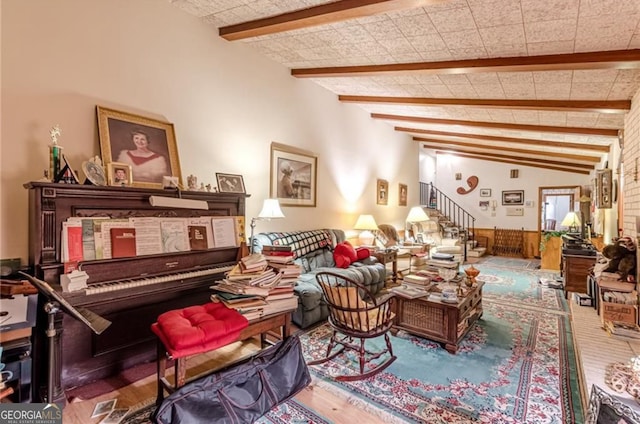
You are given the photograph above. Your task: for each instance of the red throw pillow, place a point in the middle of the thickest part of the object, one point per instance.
(344, 254)
(351, 252)
(363, 253)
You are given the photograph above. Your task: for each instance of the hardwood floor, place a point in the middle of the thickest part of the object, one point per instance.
(323, 401)
(594, 349)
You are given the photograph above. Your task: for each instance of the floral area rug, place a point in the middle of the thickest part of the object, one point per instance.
(289, 412)
(516, 365)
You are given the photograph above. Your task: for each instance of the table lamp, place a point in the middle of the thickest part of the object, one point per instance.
(571, 220)
(366, 223)
(416, 214)
(270, 210)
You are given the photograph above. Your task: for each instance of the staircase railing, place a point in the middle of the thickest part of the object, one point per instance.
(433, 198)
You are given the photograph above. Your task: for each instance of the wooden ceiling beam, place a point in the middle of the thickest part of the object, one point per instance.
(501, 125)
(322, 14)
(510, 157)
(516, 162)
(597, 106)
(615, 59)
(582, 158)
(548, 143)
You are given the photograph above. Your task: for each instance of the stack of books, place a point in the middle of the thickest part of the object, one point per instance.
(278, 254)
(256, 289)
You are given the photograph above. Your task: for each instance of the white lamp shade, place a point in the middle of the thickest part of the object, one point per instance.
(271, 209)
(571, 219)
(366, 222)
(417, 214)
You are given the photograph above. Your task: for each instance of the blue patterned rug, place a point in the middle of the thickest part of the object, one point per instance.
(516, 365)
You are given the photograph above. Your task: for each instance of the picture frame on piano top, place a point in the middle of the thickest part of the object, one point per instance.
(148, 145)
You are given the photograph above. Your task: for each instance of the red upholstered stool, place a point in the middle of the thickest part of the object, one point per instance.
(191, 331)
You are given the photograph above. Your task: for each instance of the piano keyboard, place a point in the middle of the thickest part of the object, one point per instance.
(121, 285)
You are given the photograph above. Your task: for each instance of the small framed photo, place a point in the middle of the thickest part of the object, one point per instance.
(513, 197)
(485, 192)
(94, 172)
(402, 195)
(119, 174)
(115, 416)
(230, 183)
(103, 408)
(382, 192)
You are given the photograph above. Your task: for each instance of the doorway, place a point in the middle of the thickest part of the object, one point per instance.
(555, 203)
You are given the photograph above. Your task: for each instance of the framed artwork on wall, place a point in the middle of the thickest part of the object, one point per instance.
(230, 183)
(382, 192)
(604, 188)
(402, 195)
(293, 175)
(485, 192)
(147, 145)
(513, 197)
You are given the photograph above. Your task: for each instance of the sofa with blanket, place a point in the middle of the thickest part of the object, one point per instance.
(323, 250)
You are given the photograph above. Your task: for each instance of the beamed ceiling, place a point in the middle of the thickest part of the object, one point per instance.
(542, 83)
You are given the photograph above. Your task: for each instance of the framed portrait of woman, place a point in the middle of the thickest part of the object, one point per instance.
(147, 145)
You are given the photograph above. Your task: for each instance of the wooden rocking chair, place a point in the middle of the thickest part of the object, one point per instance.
(355, 314)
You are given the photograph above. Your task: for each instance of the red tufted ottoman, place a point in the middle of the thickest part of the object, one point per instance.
(190, 331)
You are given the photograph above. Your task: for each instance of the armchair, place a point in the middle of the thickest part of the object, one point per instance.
(355, 314)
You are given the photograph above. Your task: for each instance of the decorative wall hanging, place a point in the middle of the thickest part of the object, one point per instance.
(402, 195)
(472, 182)
(485, 192)
(513, 197)
(604, 187)
(514, 173)
(382, 192)
(148, 145)
(458, 176)
(293, 175)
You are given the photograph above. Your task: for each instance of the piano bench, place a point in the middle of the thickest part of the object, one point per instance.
(191, 331)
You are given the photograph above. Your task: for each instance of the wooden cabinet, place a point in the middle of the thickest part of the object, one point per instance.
(575, 270)
(551, 257)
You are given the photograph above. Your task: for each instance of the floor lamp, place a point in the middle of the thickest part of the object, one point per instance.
(270, 210)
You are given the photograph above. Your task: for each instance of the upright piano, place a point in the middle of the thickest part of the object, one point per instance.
(129, 292)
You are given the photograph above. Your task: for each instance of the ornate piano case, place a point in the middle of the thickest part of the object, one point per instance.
(130, 292)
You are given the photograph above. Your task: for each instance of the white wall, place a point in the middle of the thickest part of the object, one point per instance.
(62, 58)
(496, 177)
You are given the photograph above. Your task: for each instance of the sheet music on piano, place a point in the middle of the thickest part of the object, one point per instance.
(224, 231)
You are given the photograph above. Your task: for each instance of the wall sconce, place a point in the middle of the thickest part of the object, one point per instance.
(514, 173)
(270, 210)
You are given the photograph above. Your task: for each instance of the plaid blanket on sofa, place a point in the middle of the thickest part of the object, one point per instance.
(301, 242)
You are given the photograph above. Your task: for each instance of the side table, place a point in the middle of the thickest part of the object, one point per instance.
(388, 256)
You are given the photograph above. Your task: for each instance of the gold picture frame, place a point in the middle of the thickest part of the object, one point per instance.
(124, 138)
(119, 174)
(293, 178)
(382, 192)
(402, 194)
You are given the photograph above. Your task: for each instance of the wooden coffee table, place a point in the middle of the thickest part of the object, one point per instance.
(435, 320)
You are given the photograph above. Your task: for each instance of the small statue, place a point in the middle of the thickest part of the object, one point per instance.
(192, 182)
(54, 133)
(202, 187)
(209, 188)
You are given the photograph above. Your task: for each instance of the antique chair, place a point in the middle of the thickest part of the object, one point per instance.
(355, 314)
